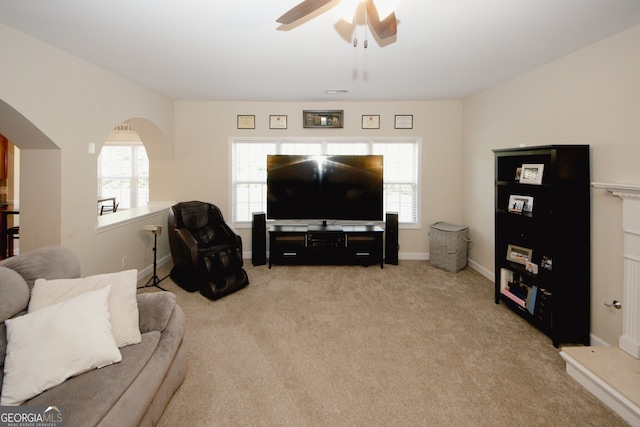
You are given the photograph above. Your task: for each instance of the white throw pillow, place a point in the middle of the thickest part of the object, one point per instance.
(46, 347)
(123, 305)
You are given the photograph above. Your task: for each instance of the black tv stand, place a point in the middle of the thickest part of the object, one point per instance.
(324, 227)
(320, 244)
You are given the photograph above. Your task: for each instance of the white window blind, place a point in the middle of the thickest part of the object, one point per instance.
(249, 171)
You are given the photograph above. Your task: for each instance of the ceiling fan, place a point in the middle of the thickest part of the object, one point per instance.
(384, 28)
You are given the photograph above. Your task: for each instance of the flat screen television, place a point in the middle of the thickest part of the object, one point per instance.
(338, 187)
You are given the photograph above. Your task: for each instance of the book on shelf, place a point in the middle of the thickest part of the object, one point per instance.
(519, 289)
(512, 297)
(524, 295)
(531, 299)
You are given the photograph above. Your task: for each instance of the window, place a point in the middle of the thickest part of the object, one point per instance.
(123, 169)
(401, 160)
(250, 178)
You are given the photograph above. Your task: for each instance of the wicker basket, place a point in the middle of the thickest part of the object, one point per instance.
(448, 246)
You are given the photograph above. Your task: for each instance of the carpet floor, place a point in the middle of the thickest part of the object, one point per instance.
(407, 345)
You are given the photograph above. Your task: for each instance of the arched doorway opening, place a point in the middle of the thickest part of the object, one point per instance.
(40, 172)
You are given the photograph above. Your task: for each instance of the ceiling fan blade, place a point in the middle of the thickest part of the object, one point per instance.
(385, 28)
(301, 10)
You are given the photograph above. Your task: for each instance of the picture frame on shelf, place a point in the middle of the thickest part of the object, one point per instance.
(371, 121)
(532, 173)
(520, 204)
(277, 122)
(404, 121)
(515, 205)
(519, 254)
(323, 118)
(531, 268)
(246, 121)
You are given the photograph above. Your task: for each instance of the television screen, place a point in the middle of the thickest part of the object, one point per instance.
(340, 187)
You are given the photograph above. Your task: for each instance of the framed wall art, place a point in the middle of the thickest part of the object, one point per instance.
(404, 121)
(371, 122)
(246, 122)
(277, 122)
(323, 118)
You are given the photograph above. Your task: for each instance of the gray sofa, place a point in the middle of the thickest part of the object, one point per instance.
(132, 392)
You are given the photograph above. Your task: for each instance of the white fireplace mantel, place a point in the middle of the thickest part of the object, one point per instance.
(629, 191)
(630, 195)
(612, 373)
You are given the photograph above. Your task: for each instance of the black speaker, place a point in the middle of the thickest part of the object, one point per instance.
(259, 239)
(391, 245)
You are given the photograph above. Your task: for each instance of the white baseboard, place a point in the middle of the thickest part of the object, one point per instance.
(480, 269)
(417, 256)
(149, 269)
(413, 256)
(597, 342)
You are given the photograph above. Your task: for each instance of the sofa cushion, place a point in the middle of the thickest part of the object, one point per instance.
(50, 262)
(14, 297)
(155, 310)
(46, 347)
(89, 397)
(14, 294)
(123, 306)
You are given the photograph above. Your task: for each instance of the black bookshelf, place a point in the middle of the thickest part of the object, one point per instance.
(542, 238)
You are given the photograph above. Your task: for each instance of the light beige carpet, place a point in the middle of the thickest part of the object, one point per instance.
(410, 345)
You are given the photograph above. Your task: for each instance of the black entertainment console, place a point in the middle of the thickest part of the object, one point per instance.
(347, 244)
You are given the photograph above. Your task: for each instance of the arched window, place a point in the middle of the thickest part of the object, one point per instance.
(123, 169)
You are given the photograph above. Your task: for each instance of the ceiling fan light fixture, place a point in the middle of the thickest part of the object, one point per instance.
(346, 9)
(386, 7)
(383, 28)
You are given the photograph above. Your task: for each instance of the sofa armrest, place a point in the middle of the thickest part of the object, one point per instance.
(155, 310)
(50, 262)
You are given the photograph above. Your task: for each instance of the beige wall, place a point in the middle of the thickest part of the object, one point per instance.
(52, 106)
(202, 157)
(589, 97)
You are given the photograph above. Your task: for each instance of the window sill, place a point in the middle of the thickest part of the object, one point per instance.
(130, 216)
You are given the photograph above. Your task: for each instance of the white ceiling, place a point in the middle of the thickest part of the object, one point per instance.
(234, 50)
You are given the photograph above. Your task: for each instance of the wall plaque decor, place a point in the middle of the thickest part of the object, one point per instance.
(371, 122)
(323, 119)
(277, 122)
(246, 122)
(404, 121)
